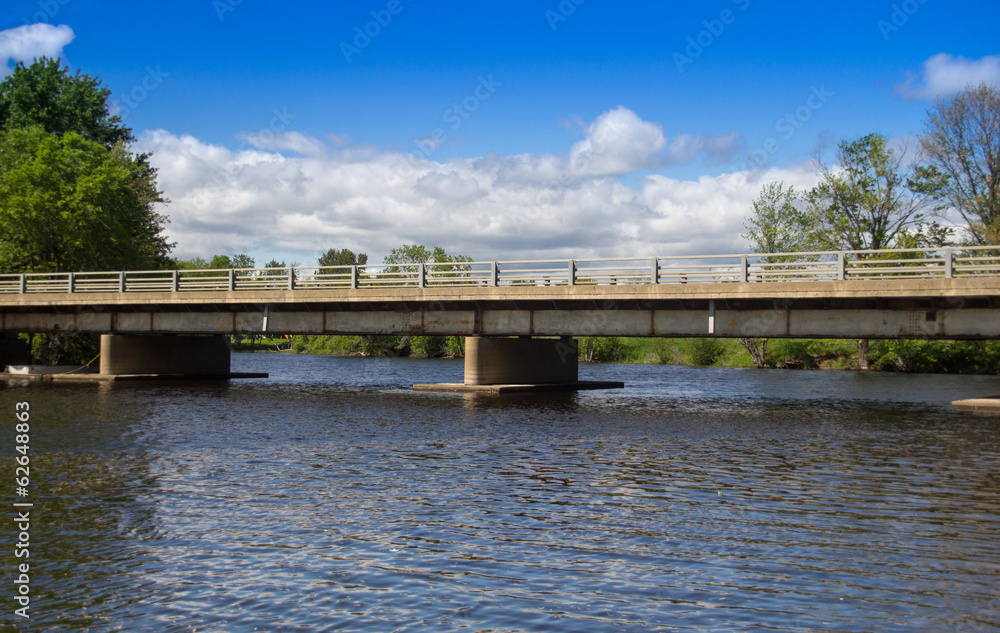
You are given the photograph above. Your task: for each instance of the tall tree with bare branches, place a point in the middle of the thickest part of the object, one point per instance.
(962, 142)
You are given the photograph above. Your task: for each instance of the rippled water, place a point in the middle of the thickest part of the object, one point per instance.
(332, 497)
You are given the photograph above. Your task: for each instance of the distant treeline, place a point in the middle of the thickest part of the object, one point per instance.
(951, 357)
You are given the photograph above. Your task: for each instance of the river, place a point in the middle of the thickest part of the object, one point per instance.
(331, 497)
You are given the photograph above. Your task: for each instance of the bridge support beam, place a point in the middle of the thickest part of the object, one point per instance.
(165, 355)
(499, 361)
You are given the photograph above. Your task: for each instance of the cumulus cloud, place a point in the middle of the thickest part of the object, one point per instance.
(943, 75)
(619, 142)
(24, 43)
(259, 201)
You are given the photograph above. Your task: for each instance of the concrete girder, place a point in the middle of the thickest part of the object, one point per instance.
(781, 322)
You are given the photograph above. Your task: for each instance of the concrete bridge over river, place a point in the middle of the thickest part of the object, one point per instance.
(920, 293)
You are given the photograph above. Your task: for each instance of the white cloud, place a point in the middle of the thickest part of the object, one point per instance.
(943, 75)
(619, 142)
(278, 141)
(24, 43)
(492, 207)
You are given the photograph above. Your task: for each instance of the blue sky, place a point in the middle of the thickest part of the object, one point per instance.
(508, 130)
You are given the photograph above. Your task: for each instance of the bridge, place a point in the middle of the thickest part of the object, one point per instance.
(947, 293)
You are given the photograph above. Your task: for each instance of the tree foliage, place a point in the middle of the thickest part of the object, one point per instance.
(71, 204)
(45, 94)
(72, 195)
(871, 201)
(777, 224)
(342, 257)
(962, 142)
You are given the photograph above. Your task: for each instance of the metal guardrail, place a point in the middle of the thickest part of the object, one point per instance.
(747, 268)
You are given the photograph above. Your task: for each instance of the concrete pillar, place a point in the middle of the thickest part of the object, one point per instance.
(13, 351)
(174, 355)
(519, 361)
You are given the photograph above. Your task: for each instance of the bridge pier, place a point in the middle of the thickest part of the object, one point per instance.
(13, 351)
(123, 354)
(502, 365)
(500, 361)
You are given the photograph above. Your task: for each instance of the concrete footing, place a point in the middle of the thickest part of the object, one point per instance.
(580, 385)
(989, 403)
(165, 355)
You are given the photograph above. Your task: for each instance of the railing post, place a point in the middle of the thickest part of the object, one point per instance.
(175, 281)
(71, 283)
(841, 265)
(654, 273)
(571, 273)
(744, 269)
(494, 274)
(121, 281)
(232, 280)
(23, 283)
(422, 270)
(354, 277)
(291, 278)
(949, 263)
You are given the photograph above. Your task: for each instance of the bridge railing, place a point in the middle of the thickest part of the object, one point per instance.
(745, 268)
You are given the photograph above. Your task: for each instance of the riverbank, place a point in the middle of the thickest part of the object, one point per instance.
(949, 357)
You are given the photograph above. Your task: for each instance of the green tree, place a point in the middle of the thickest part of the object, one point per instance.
(240, 260)
(45, 94)
(871, 202)
(776, 225)
(417, 254)
(195, 263)
(342, 257)
(72, 195)
(71, 204)
(962, 142)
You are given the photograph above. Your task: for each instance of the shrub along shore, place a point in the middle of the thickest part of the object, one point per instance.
(950, 357)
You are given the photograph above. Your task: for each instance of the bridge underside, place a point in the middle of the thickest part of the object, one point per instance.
(922, 322)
